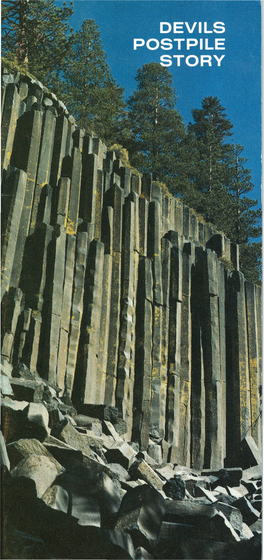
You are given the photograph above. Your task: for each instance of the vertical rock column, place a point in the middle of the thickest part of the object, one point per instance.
(33, 283)
(12, 307)
(44, 165)
(253, 360)
(75, 192)
(52, 305)
(88, 354)
(67, 212)
(197, 388)
(165, 215)
(59, 149)
(50, 332)
(125, 369)
(222, 344)
(174, 349)
(107, 171)
(107, 240)
(238, 385)
(66, 310)
(186, 224)
(21, 336)
(143, 225)
(125, 175)
(166, 267)
(82, 247)
(258, 293)
(185, 367)
(154, 253)
(143, 358)
(11, 109)
(92, 192)
(213, 456)
(27, 159)
(259, 323)
(177, 217)
(114, 198)
(13, 195)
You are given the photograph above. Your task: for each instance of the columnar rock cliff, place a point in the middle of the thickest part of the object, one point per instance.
(116, 293)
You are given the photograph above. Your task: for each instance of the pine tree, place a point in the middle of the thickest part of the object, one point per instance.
(153, 128)
(250, 261)
(223, 182)
(211, 128)
(90, 91)
(35, 35)
(245, 224)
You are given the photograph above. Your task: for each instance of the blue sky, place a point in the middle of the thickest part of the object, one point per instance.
(236, 81)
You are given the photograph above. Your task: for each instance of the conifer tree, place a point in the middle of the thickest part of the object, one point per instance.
(211, 128)
(90, 91)
(153, 128)
(223, 183)
(35, 35)
(245, 224)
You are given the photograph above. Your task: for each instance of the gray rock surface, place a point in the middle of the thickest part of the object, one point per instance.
(117, 306)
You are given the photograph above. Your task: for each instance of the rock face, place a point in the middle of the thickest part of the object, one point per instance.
(118, 310)
(116, 293)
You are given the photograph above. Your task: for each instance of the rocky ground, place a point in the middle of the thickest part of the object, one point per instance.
(73, 487)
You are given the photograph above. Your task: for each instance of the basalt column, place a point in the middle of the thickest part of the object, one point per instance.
(86, 372)
(114, 197)
(198, 387)
(174, 335)
(185, 357)
(253, 361)
(13, 195)
(166, 266)
(45, 159)
(52, 305)
(157, 421)
(12, 105)
(66, 310)
(126, 357)
(82, 247)
(238, 383)
(25, 156)
(143, 358)
(213, 454)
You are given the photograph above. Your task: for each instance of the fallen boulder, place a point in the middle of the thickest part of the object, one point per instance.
(39, 468)
(140, 469)
(140, 514)
(175, 488)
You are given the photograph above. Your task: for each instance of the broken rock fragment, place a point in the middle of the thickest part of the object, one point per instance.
(39, 468)
(250, 454)
(141, 469)
(122, 453)
(141, 513)
(28, 390)
(37, 420)
(175, 488)
(249, 513)
(23, 448)
(100, 411)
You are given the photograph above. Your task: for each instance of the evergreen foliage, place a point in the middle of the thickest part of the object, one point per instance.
(221, 183)
(211, 128)
(153, 128)
(35, 35)
(90, 91)
(245, 225)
